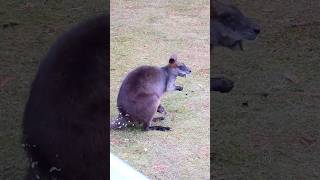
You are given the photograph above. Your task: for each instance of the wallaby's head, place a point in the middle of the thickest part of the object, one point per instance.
(177, 68)
(229, 26)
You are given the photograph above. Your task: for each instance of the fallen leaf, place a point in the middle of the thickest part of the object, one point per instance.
(307, 140)
(291, 77)
(5, 80)
(160, 168)
(115, 141)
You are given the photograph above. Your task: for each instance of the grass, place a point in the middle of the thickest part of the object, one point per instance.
(146, 33)
(21, 48)
(274, 137)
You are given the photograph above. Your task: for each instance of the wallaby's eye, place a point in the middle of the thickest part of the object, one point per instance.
(182, 67)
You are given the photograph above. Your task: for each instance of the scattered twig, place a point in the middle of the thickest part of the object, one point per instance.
(5, 80)
(76, 8)
(303, 24)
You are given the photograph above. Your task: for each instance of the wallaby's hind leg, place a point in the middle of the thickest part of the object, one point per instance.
(147, 127)
(159, 128)
(149, 114)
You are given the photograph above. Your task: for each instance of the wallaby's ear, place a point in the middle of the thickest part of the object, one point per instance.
(173, 59)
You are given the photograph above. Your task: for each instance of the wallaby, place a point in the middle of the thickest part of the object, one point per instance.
(64, 121)
(229, 26)
(140, 93)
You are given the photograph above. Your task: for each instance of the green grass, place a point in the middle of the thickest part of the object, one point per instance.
(21, 48)
(146, 33)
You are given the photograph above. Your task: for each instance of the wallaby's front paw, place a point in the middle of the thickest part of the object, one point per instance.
(161, 110)
(179, 88)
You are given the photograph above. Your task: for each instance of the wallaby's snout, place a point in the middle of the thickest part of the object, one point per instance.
(178, 68)
(250, 30)
(256, 29)
(229, 26)
(183, 70)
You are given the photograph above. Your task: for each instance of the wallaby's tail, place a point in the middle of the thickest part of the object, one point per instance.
(120, 122)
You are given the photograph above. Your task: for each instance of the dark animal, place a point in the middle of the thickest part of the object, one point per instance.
(229, 27)
(221, 84)
(141, 91)
(64, 124)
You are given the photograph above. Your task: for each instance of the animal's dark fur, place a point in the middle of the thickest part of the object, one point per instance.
(221, 84)
(64, 125)
(141, 91)
(228, 28)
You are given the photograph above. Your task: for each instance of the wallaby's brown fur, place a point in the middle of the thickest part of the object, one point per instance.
(141, 91)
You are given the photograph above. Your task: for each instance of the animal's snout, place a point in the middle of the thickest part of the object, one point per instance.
(256, 30)
(189, 71)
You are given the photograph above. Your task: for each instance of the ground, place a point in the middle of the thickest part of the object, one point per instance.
(27, 30)
(268, 126)
(146, 33)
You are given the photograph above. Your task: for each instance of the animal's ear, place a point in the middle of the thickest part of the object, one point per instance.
(173, 59)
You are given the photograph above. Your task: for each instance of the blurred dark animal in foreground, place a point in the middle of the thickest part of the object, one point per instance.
(64, 125)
